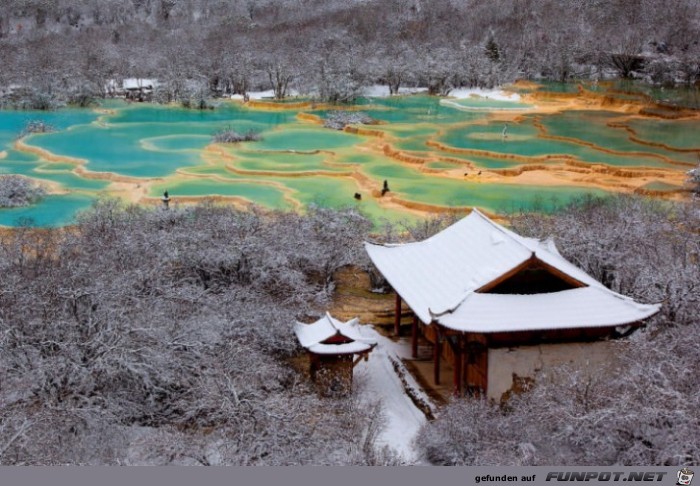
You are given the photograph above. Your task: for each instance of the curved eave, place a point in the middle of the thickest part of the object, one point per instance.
(338, 349)
(580, 308)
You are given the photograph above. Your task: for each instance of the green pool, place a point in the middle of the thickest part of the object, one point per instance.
(420, 146)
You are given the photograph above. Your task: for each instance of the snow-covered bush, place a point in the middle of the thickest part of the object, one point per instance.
(36, 126)
(229, 135)
(338, 120)
(16, 191)
(646, 413)
(40, 101)
(694, 180)
(153, 336)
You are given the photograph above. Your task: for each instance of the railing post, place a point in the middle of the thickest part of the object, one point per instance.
(457, 382)
(414, 337)
(436, 356)
(397, 315)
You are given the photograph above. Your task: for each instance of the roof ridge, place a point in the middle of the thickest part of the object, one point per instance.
(539, 248)
(330, 320)
(511, 234)
(387, 245)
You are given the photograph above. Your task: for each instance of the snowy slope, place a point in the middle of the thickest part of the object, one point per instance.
(377, 380)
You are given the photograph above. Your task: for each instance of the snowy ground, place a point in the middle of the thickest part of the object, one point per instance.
(493, 94)
(262, 95)
(376, 379)
(380, 91)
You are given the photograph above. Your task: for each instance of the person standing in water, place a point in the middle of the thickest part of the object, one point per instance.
(505, 132)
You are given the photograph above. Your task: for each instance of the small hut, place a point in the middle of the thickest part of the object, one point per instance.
(137, 89)
(334, 349)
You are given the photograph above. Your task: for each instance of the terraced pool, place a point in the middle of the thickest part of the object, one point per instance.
(434, 154)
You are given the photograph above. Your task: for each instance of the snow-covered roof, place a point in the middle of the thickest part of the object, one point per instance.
(567, 309)
(313, 336)
(345, 348)
(139, 83)
(438, 279)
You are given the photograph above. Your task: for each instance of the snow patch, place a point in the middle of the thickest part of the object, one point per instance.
(497, 238)
(492, 94)
(380, 381)
(139, 83)
(263, 95)
(382, 91)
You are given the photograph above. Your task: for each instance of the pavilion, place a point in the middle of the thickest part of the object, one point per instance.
(331, 345)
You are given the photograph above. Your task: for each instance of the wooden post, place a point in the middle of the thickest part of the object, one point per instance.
(484, 367)
(457, 382)
(397, 315)
(465, 365)
(414, 337)
(436, 356)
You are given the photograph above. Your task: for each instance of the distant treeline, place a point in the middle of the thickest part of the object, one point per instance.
(69, 50)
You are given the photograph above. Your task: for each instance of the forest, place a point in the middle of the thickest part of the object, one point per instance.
(73, 51)
(152, 336)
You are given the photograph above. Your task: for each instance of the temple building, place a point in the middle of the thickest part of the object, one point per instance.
(332, 346)
(478, 290)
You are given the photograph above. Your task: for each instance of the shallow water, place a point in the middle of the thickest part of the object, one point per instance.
(298, 162)
(50, 211)
(679, 134)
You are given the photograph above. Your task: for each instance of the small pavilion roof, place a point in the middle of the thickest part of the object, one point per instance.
(314, 336)
(439, 278)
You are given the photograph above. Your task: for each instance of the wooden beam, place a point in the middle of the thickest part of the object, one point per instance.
(397, 315)
(414, 337)
(476, 363)
(465, 366)
(457, 380)
(436, 356)
(485, 366)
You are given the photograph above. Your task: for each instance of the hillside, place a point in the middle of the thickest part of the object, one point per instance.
(72, 49)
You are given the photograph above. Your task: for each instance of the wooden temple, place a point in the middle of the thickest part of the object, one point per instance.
(334, 349)
(477, 286)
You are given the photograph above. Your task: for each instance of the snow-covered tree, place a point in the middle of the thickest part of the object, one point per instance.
(19, 191)
(165, 337)
(694, 180)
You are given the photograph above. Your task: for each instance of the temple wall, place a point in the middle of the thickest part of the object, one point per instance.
(511, 368)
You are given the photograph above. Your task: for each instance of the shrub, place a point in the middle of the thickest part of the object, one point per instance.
(338, 120)
(16, 191)
(164, 337)
(229, 135)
